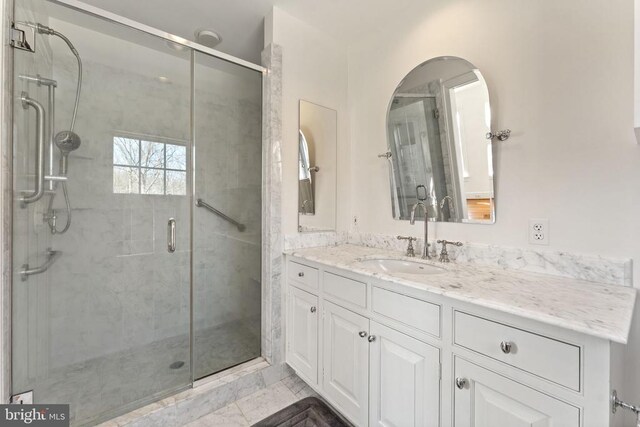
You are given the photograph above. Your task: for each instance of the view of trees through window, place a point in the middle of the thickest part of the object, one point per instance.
(149, 167)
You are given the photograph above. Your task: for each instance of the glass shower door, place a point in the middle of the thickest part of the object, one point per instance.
(101, 302)
(227, 227)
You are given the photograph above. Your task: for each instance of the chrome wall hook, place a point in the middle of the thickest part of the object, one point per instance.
(502, 135)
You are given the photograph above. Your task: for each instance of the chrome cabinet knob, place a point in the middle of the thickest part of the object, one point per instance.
(461, 382)
(362, 334)
(371, 338)
(301, 274)
(505, 346)
(313, 309)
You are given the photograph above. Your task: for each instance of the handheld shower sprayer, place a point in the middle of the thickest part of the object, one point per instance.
(66, 140)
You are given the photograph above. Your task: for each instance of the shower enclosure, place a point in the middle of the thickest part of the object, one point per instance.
(137, 236)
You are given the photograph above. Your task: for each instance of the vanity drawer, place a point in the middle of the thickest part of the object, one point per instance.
(303, 274)
(345, 289)
(554, 360)
(411, 312)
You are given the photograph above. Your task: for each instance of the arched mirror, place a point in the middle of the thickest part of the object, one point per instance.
(437, 126)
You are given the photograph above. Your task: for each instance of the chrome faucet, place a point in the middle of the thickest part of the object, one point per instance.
(450, 200)
(412, 221)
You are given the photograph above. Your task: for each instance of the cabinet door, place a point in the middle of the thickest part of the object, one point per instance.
(486, 399)
(346, 362)
(405, 380)
(302, 334)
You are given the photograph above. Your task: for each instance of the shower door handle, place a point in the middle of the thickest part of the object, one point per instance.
(171, 235)
(39, 190)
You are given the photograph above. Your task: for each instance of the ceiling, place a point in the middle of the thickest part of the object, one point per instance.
(240, 22)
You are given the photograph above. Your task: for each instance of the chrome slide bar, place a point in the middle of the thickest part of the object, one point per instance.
(202, 204)
(39, 191)
(52, 256)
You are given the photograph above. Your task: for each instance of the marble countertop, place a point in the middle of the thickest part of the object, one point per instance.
(603, 311)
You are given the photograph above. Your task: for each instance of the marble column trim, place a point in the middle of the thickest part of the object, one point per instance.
(272, 298)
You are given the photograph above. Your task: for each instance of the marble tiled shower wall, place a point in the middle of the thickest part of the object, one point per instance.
(115, 289)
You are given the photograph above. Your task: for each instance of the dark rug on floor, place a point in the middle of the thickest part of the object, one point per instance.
(308, 412)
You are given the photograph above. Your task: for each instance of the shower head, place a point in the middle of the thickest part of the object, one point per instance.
(67, 141)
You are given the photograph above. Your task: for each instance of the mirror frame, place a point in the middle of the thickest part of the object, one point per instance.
(335, 159)
(491, 143)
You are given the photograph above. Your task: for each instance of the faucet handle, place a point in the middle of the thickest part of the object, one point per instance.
(410, 250)
(444, 255)
(448, 242)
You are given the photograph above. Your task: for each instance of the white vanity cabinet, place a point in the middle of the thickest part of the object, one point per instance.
(404, 387)
(302, 333)
(345, 379)
(487, 399)
(386, 354)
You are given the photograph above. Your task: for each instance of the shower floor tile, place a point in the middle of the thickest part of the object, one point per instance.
(104, 386)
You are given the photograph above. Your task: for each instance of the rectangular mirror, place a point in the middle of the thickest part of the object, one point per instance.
(437, 124)
(317, 149)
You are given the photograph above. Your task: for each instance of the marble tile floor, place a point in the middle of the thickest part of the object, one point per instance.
(257, 406)
(103, 385)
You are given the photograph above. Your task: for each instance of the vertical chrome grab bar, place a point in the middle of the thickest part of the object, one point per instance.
(39, 177)
(171, 235)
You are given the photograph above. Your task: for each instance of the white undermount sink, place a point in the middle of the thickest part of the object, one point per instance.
(391, 266)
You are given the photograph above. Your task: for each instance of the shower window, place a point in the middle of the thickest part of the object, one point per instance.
(149, 167)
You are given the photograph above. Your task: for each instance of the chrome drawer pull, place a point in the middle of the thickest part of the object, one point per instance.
(371, 338)
(362, 334)
(301, 274)
(313, 309)
(505, 346)
(461, 382)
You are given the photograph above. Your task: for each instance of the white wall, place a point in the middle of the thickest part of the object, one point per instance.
(314, 68)
(560, 75)
(566, 91)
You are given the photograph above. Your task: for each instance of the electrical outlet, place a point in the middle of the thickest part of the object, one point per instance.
(539, 231)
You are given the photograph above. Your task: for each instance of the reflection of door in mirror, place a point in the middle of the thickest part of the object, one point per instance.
(413, 123)
(468, 122)
(317, 149)
(305, 183)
